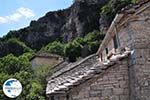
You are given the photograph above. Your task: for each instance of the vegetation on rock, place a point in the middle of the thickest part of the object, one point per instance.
(89, 44)
(13, 46)
(65, 35)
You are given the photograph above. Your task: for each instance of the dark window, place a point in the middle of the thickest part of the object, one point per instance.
(115, 42)
(52, 97)
(101, 57)
(67, 97)
(106, 50)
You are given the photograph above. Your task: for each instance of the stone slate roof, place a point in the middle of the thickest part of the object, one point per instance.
(73, 75)
(59, 66)
(45, 55)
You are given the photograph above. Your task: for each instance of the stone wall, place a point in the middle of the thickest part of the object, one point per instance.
(43, 61)
(132, 82)
(136, 35)
(111, 85)
(129, 79)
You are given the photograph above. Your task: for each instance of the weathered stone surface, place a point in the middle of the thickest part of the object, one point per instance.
(67, 24)
(127, 78)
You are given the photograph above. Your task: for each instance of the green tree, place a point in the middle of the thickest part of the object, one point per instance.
(113, 7)
(20, 68)
(55, 48)
(3, 78)
(134, 1)
(72, 51)
(94, 46)
(19, 43)
(94, 36)
(76, 48)
(13, 46)
(27, 55)
(11, 64)
(35, 91)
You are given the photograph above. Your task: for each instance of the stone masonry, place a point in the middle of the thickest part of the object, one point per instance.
(111, 85)
(119, 71)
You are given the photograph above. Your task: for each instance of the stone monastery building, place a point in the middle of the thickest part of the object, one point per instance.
(120, 70)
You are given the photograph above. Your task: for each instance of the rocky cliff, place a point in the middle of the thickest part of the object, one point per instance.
(79, 19)
(64, 25)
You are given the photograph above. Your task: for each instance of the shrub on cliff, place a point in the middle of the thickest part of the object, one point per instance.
(113, 7)
(87, 45)
(13, 46)
(55, 48)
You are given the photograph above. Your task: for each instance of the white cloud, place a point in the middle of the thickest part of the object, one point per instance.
(14, 17)
(26, 12)
(3, 20)
(20, 13)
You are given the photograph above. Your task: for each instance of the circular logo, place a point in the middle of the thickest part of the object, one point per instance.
(12, 88)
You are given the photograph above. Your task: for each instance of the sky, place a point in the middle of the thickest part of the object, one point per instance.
(16, 14)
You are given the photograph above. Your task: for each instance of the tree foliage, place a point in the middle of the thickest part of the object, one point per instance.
(74, 49)
(21, 69)
(55, 48)
(114, 6)
(34, 81)
(13, 46)
(11, 64)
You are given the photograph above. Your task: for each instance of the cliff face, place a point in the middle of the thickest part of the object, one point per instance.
(77, 20)
(63, 25)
